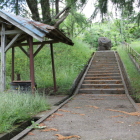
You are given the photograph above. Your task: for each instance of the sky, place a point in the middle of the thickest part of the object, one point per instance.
(89, 8)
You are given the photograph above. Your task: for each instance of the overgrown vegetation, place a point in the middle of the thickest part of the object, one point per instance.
(69, 61)
(16, 108)
(132, 72)
(136, 46)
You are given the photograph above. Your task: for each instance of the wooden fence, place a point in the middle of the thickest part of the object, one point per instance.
(134, 55)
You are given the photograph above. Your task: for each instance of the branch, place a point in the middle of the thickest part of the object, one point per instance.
(62, 18)
(60, 13)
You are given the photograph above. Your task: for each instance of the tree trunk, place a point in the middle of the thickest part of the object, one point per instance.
(16, 7)
(34, 9)
(45, 6)
(57, 6)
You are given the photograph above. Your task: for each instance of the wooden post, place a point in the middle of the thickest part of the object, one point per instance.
(13, 64)
(53, 68)
(31, 64)
(3, 59)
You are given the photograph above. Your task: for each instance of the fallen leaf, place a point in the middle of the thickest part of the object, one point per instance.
(83, 94)
(50, 118)
(137, 122)
(117, 116)
(82, 114)
(49, 129)
(57, 114)
(132, 113)
(119, 122)
(42, 124)
(61, 137)
(31, 134)
(64, 110)
(92, 106)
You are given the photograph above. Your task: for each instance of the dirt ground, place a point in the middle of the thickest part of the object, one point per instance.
(91, 117)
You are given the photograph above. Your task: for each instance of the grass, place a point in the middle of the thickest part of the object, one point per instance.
(16, 108)
(69, 61)
(136, 46)
(132, 72)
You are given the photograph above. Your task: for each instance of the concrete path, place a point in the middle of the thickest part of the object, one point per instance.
(91, 117)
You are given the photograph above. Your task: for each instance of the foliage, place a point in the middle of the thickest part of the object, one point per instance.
(136, 45)
(16, 108)
(132, 72)
(16, 6)
(91, 36)
(69, 61)
(46, 11)
(74, 23)
(123, 6)
(118, 30)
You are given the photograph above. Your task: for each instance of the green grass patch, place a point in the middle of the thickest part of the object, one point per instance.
(136, 46)
(132, 72)
(16, 108)
(69, 61)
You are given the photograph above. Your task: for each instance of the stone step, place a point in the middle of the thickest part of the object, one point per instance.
(102, 82)
(97, 58)
(103, 66)
(103, 78)
(104, 62)
(102, 75)
(104, 69)
(100, 72)
(102, 91)
(102, 86)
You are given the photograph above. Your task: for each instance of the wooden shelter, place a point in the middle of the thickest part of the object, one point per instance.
(15, 30)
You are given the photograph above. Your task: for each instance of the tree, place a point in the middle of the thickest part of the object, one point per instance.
(46, 11)
(127, 6)
(74, 23)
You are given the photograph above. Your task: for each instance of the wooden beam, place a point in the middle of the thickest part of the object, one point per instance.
(38, 43)
(13, 63)
(37, 51)
(3, 59)
(10, 32)
(24, 51)
(12, 42)
(32, 76)
(53, 68)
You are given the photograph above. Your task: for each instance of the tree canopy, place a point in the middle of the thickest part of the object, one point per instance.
(52, 12)
(124, 6)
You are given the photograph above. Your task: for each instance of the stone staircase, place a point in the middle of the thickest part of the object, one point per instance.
(103, 75)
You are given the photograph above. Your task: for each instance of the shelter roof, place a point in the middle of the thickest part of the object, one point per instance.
(23, 26)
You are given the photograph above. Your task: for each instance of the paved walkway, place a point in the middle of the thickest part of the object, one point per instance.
(91, 117)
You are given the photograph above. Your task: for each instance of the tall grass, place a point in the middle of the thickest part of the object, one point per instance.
(132, 72)
(136, 46)
(16, 108)
(69, 61)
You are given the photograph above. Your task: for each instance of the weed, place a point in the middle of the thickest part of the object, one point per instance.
(132, 72)
(16, 108)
